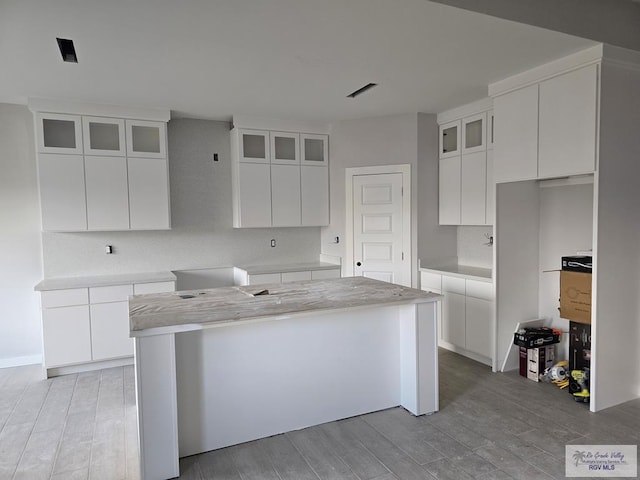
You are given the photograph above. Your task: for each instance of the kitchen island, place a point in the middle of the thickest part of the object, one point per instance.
(234, 364)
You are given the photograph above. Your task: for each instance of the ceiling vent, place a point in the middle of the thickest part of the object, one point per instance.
(361, 90)
(67, 50)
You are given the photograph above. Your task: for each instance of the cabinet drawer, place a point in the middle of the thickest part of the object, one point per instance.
(153, 287)
(64, 298)
(453, 284)
(430, 281)
(264, 278)
(325, 274)
(112, 293)
(295, 276)
(482, 290)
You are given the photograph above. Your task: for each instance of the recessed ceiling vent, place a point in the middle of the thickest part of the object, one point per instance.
(67, 50)
(361, 90)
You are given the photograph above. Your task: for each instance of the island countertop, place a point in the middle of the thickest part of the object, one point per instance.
(196, 309)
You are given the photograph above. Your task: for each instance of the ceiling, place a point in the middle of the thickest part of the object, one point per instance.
(288, 59)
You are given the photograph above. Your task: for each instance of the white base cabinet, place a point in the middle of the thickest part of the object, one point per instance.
(466, 315)
(283, 274)
(83, 326)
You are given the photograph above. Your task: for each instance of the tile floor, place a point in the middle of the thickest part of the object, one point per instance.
(490, 426)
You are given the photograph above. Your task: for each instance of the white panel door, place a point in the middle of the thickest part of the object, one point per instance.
(107, 193)
(516, 135)
(449, 191)
(285, 195)
(377, 225)
(473, 189)
(148, 193)
(568, 122)
(254, 195)
(67, 335)
(62, 192)
(315, 196)
(110, 330)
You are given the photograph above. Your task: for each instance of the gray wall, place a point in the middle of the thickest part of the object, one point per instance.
(201, 213)
(20, 248)
(472, 246)
(391, 140)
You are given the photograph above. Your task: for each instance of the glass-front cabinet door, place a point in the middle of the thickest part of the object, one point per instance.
(146, 139)
(285, 148)
(314, 149)
(59, 133)
(103, 136)
(473, 133)
(450, 139)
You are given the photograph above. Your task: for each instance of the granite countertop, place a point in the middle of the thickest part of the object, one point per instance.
(288, 267)
(61, 283)
(170, 312)
(463, 271)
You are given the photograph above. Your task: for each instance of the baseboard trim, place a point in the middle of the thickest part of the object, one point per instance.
(20, 361)
(87, 367)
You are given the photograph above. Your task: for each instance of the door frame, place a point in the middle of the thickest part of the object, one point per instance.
(405, 170)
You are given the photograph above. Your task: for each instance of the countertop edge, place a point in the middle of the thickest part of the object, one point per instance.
(470, 276)
(87, 281)
(286, 268)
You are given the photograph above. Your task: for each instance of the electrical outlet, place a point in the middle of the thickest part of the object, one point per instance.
(273, 242)
(108, 249)
(215, 157)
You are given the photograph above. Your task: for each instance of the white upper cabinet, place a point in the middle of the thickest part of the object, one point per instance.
(101, 173)
(59, 133)
(474, 133)
(285, 148)
(464, 176)
(103, 136)
(107, 193)
(146, 139)
(450, 137)
(314, 149)
(516, 135)
(62, 192)
(280, 178)
(568, 123)
(253, 146)
(547, 129)
(314, 189)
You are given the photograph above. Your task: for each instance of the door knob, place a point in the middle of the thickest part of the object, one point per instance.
(358, 264)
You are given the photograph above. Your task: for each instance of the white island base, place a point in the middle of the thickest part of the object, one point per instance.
(228, 382)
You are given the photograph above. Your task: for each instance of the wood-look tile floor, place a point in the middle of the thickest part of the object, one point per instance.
(490, 426)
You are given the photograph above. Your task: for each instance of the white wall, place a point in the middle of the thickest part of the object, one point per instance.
(20, 246)
(473, 248)
(201, 214)
(389, 140)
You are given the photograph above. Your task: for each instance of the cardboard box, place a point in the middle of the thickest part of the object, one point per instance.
(539, 359)
(577, 264)
(575, 296)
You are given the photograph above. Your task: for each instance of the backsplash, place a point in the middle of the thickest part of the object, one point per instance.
(472, 246)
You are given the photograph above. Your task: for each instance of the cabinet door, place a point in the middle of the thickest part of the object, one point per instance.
(491, 190)
(473, 189)
(430, 282)
(478, 326)
(265, 278)
(295, 276)
(285, 195)
(450, 139)
(314, 149)
(62, 192)
(148, 194)
(253, 195)
(568, 111)
(325, 274)
(453, 319)
(285, 148)
(66, 335)
(516, 135)
(146, 139)
(103, 136)
(449, 191)
(314, 190)
(474, 133)
(58, 133)
(253, 146)
(110, 330)
(107, 193)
